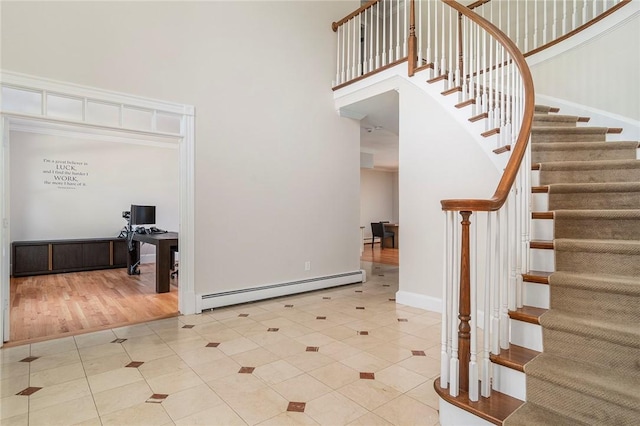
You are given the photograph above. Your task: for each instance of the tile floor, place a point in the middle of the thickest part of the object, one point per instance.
(343, 356)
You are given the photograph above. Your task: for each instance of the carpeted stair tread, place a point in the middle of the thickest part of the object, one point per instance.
(598, 195)
(606, 385)
(544, 109)
(619, 284)
(614, 224)
(568, 134)
(619, 333)
(589, 171)
(583, 151)
(590, 165)
(555, 120)
(630, 247)
(535, 415)
(572, 188)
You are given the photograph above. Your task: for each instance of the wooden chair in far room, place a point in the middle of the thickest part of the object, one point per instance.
(378, 231)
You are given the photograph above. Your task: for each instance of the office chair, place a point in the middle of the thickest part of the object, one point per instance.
(174, 265)
(377, 229)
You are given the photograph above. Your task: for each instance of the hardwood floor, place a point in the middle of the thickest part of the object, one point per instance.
(49, 306)
(388, 256)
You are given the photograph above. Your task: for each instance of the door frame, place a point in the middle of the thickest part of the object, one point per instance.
(186, 147)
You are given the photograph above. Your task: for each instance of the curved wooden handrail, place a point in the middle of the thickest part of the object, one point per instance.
(511, 170)
(335, 25)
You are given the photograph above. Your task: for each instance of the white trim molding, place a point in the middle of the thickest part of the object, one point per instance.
(417, 300)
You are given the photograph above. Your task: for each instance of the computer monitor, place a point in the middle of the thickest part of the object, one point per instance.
(143, 215)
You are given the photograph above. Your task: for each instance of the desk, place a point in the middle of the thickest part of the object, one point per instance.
(395, 228)
(163, 243)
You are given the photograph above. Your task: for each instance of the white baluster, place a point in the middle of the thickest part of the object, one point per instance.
(574, 21)
(454, 370)
(473, 321)
(504, 280)
(485, 389)
(564, 17)
(359, 42)
(406, 29)
(513, 236)
(338, 50)
(378, 35)
(497, 286)
(420, 35)
(544, 29)
(445, 348)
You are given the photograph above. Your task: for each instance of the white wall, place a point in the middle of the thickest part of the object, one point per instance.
(607, 76)
(63, 187)
(378, 197)
(274, 162)
(438, 160)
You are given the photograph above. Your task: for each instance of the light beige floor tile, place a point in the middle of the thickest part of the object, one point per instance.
(236, 346)
(276, 372)
(223, 415)
(221, 335)
(296, 331)
(108, 363)
(301, 388)
(94, 339)
(196, 319)
(255, 357)
(224, 313)
(66, 413)
(334, 409)
(191, 401)
(122, 397)
(364, 342)
(315, 339)
(55, 360)
(188, 345)
(286, 347)
(13, 405)
(209, 327)
(19, 420)
(172, 335)
(216, 369)
(338, 332)
(289, 418)
(13, 369)
(141, 414)
(137, 342)
(14, 354)
(163, 324)
(414, 343)
(113, 379)
(100, 351)
(370, 394)
(132, 331)
(161, 366)
(364, 362)
(339, 351)
(236, 384)
(423, 365)
(390, 353)
(91, 422)
(54, 376)
(400, 378)
(426, 394)
(335, 375)
(407, 411)
(202, 355)
(148, 353)
(175, 382)
(57, 394)
(13, 385)
(51, 347)
(370, 419)
(258, 405)
(265, 338)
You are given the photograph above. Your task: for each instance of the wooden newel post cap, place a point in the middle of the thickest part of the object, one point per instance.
(334, 26)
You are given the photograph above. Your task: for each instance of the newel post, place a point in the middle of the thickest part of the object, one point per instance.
(464, 329)
(412, 55)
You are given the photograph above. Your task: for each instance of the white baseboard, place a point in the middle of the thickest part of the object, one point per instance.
(234, 297)
(450, 415)
(416, 300)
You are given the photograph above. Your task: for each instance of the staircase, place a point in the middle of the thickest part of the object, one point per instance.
(589, 371)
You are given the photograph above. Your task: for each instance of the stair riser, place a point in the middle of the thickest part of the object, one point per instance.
(589, 176)
(548, 123)
(538, 156)
(590, 350)
(611, 306)
(598, 263)
(540, 202)
(542, 260)
(536, 295)
(560, 136)
(578, 405)
(598, 229)
(526, 334)
(594, 200)
(542, 229)
(509, 381)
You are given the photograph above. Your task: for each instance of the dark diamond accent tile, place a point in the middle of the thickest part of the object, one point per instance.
(313, 348)
(321, 318)
(29, 359)
(368, 376)
(298, 407)
(246, 370)
(213, 345)
(326, 298)
(157, 398)
(358, 291)
(363, 333)
(385, 285)
(243, 315)
(359, 307)
(188, 326)
(28, 391)
(403, 320)
(381, 275)
(418, 353)
(119, 341)
(134, 364)
(288, 306)
(376, 267)
(273, 329)
(392, 300)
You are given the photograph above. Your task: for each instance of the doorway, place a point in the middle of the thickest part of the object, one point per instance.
(39, 105)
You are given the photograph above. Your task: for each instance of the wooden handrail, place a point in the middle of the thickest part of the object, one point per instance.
(511, 170)
(336, 25)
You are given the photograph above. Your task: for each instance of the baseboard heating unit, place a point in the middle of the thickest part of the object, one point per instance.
(234, 297)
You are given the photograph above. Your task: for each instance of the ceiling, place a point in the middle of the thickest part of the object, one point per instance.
(379, 128)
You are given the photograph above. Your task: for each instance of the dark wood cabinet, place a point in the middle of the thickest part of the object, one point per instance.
(56, 256)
